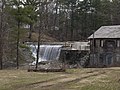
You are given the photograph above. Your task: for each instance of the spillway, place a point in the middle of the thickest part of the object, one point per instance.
(47, 52)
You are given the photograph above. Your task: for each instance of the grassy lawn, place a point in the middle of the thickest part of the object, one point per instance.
(72, 79)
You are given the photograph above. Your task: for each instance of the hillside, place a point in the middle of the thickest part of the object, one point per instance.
(44, 37)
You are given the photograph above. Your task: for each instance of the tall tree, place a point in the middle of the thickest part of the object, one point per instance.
(2, 3)
(31, 12)
(39, 31)
(17, 12)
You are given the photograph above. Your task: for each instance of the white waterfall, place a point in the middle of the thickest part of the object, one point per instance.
(47, 52)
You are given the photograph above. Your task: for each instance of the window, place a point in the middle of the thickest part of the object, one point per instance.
(101, 43)
(94, 43)
(118, 43)
(109, 45)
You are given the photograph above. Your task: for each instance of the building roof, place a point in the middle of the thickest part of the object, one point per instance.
(107, 32)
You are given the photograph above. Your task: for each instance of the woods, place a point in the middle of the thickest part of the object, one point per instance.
(63, 20)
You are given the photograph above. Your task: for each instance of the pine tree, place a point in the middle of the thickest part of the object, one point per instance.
(31, 13)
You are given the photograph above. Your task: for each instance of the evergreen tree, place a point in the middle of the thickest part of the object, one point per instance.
(16, 10)
(31, 13)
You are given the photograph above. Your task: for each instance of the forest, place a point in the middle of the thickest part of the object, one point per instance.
(51, 20)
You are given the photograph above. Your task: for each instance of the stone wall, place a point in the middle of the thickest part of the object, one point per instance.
(74, 58)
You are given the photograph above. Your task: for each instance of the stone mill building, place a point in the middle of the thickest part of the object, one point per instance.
(105, 47)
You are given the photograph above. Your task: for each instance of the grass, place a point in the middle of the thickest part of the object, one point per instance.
(13, 79)
(72, 79)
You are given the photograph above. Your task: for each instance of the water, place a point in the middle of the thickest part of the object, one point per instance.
(47, 52)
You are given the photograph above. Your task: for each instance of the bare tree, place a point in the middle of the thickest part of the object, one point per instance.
(39, 37)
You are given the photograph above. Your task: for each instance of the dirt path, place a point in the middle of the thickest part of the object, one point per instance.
(62, 80)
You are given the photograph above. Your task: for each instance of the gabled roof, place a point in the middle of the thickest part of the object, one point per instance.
(107, 32)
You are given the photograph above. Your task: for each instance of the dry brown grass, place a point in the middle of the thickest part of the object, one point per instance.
(72, 79)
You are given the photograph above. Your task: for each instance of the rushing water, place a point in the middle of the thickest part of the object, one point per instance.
(47, 52)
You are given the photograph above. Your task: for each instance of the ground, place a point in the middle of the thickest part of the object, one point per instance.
(72, 79)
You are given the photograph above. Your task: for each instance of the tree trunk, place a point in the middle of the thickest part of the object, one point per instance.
(1, 36)
(46, 16)
(1, 50)
(56, 15)
(18, 39)
(72, 22)
(39, 38)
(38, 49)
(30, 32)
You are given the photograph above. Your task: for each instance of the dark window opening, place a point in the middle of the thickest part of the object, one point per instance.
(109, 45)
(101, 43)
